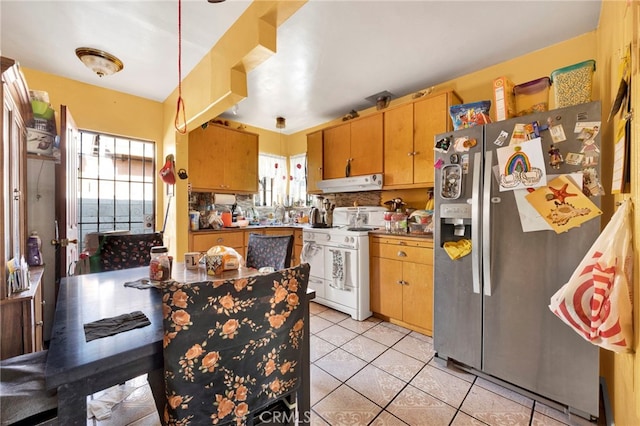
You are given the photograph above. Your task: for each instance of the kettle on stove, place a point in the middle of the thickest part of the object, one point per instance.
(315, 218)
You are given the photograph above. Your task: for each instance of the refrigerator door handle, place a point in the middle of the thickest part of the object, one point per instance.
(486, 223)
(475, 222)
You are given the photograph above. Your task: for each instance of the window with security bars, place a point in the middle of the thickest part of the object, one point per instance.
(116, 185)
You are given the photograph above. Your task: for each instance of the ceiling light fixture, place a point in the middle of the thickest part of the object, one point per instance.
(381, 100)
(280, 123)
(98, 61)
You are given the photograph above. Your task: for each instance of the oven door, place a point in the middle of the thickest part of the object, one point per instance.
(341, 276)
(313, 254)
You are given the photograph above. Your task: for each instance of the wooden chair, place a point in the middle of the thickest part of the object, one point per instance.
(269, 251)
(126, 251)
(23, 397)
(234, 348)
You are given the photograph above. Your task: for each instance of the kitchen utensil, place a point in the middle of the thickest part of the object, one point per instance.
(395, 204)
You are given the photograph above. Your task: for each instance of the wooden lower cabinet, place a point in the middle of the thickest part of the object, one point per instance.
(22, 320)
(204, 241)
(401, 281)
(239, 240)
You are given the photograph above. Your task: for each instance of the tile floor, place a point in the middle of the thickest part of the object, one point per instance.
(376, 373)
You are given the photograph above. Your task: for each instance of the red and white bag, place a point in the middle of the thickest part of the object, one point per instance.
(596, 302)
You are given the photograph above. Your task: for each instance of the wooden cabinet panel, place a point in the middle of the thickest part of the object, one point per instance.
(417, 294)
(21, 319)
(336, 151)
(401, 281)
(215, 154)
(409, 140)
(366, 145)
(203, 242)
(398, 145)
(386, 292)
(205, 151)
(314, 161)
(431, 116)
(359, 142)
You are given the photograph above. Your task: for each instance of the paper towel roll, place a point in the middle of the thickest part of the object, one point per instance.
(224, 199)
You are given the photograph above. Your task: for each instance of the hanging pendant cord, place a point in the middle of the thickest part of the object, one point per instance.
(180, 104)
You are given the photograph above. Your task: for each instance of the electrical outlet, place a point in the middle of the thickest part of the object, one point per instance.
(148, 221)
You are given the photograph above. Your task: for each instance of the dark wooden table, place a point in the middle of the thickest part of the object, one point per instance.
(77, 368)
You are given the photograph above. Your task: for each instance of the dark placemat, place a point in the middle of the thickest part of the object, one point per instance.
(114, 325)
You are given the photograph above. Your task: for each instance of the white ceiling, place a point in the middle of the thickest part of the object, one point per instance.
(331, 54)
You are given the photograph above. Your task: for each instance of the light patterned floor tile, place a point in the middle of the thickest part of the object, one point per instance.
(387, 419)
(316, 308)
(317, 324)
(539, 419)
(149, 420)
(319, 347)
(419, 408)
(416, 348)
(421, 336)
(322, 384)
(400, 365)
(385, 335)
(336, 335)
(359, 326)
(138, 405)
(444, 386)
(396, 327)
(462, 419)
(316, 420)
(452, 369)
(562, 417)
(507, 393)
(340, 364)
(346, 407)
(364, 348)
(375, 384)
(494, 409)
(333, 316)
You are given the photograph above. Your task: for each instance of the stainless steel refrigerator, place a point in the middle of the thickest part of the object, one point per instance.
(491, 306)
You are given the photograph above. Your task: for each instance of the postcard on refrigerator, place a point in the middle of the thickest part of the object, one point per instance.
(562, 204)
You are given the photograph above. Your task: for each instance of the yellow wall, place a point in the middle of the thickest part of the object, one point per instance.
(98, 109)
(619, 27)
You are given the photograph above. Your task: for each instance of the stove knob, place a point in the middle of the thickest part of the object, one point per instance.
(327, 237)
(346, 239)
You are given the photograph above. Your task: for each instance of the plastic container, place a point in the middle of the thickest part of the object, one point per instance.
(532, 96)
(34, 250)
(572, 85)
(160, 264)
(194, 220)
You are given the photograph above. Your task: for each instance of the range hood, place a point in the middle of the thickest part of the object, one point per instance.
(352, 184)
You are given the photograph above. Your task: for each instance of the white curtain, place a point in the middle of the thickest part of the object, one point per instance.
(272, 169)
(297, 179)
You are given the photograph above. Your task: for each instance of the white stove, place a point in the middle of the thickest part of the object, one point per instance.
(339, 259)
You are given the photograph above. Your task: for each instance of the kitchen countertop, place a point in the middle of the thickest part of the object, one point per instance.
(378, 232)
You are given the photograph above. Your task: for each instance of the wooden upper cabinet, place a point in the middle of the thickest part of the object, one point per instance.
(409, 139)
(398, 146)
(336, 151)
(366, 145)
(223, 160)
(314, 161)
(359, 143)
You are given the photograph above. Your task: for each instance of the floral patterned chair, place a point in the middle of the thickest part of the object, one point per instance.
(233, 348)
(126, 251)
(269, 250)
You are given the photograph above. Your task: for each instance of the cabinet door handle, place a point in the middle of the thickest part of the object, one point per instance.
(416, 152)
(402, 254)
(39, 324)
(402, 243)
(409, 154)
(44, 302)
(220, 240)
(401, 282)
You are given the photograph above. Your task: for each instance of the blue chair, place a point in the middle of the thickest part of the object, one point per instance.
(269, 251)
(233, 349)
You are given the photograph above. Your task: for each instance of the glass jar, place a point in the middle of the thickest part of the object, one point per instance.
(387, 222)
(160, 264)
